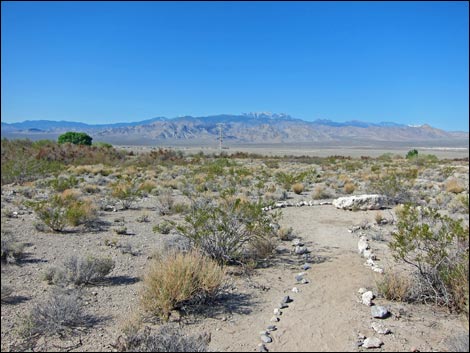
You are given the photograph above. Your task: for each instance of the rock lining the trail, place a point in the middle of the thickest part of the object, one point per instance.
(361, 202)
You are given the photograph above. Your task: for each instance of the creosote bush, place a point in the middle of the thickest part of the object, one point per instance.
(229, 230)
(179, 279)
(436, 247)
(65, 209)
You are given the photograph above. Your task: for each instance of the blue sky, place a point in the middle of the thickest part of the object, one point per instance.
(99, 62)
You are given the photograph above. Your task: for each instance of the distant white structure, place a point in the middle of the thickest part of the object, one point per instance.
(220, 126)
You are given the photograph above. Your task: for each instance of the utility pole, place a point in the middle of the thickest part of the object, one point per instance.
(220, 126)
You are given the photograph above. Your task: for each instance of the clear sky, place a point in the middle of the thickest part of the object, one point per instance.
(99, 62)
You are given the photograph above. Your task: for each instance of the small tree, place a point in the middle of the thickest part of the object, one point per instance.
(412, 154)
(77, 138)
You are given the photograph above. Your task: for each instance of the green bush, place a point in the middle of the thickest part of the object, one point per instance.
(62, 183)
(77, 138)
(436, 246)
(65, 209)
(396, 186)
(229, 231)
(412, 154)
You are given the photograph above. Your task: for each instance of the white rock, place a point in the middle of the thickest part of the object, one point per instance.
(372, 342)
(295, 290)
(361, 202)
(368, 254)
(378, 269)
(362, 290)
(367, 298)
(362, 244)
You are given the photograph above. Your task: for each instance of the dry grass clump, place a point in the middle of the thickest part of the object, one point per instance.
(91, 189)
(320, 192)
(454, 186)
(298, 188)
(147, 186)
(349, 188)
(394, 286)
(285, 233)
(180, 279)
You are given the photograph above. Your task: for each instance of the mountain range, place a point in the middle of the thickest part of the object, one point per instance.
(242, 129)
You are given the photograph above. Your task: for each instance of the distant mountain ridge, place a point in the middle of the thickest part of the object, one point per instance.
(255, 127)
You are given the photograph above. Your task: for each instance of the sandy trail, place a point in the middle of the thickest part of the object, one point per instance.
(325, 315)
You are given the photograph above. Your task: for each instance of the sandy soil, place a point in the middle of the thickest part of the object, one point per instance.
(326, 314)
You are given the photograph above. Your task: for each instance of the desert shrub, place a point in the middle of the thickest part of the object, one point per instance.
(285, 233)
(165, 202)
(77, 138)
(298, 188)
(436, 246)
(285, 179)
(454, 186)
(25, 160)
(91, 189)
(147, 186)
(11, 250)
(62, 183)
(394, 286)
(164, 227)
(65, 209)
(60, 314)
(143, 218)
(122, 230)
(165, 339)
(102, 144)
(6, 291)
(349, 188)
(80, 271)
(226, 230)
(320, 192)
(180, 279)
(19, 163)
(425, 160)
(396, 186)
(126, 192)
(379, 217)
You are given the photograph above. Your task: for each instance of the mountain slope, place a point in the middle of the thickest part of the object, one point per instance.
(245, 128)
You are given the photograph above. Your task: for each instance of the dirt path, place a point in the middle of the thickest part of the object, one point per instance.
(324, 314)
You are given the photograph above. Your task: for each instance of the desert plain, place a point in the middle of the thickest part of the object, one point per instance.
(137, 203)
